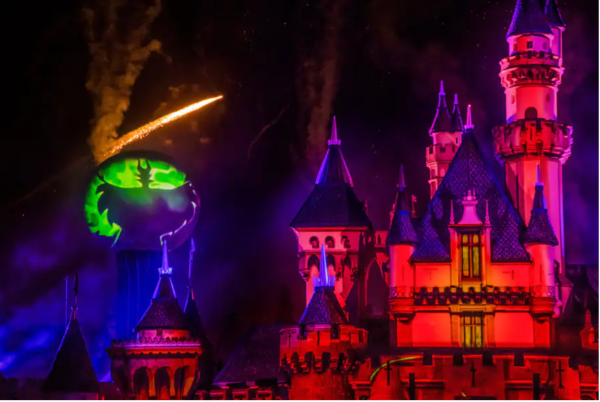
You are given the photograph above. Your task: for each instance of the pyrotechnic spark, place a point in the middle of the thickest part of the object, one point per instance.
(146, 129)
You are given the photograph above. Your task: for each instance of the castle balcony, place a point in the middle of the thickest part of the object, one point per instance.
(532, 137)
(530, 57)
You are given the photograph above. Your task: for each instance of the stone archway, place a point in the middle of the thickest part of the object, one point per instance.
(141, 383)
(162, 383)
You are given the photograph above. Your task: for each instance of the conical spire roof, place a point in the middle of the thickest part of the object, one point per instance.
(323, 307)
(72, 369)
(539, 230)
(402, 230)
(164, 311)
(332, 202)
(333, 168)
(528, 18)
(441, 122)
(456, 119)
(193, 317)
(553, 14)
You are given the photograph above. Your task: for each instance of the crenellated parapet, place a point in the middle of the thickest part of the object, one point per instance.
(321, 348)
(539, 137)
(526, 74)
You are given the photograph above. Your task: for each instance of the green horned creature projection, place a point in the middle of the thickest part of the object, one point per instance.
(138, 199)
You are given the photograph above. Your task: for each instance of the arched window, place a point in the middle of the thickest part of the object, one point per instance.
(531, 113)
(313, 261)
(314, 242)
(162, 383)
(470, 255)
(141, 383)
(329, 242)
(345, 242)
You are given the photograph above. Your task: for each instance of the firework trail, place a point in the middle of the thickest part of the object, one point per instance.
(146, 129)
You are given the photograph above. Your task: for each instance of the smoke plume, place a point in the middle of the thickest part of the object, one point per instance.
(117, 32)
(317, 81)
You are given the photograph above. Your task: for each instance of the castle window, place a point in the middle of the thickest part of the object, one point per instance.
(330, 242)
(515, 47)
(472, 324)
(531, 113)
(345, 242)
(529, 45)
(470, 249)
(314, 242)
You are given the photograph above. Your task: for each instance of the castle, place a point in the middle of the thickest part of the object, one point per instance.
(472, 300)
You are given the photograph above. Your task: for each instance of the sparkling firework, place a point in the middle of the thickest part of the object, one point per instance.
(146, 129)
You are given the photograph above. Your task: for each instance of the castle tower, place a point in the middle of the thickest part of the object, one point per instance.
(446, 132)
(72, 375)
(164, 359)
(320, 353)
(531, 74)
(333, 216)
(540, 242)
(401, 241)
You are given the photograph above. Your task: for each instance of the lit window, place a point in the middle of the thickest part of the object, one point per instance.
(470, 255)
(330, 242)
(529, 45)
(472, 323)
(314, 242)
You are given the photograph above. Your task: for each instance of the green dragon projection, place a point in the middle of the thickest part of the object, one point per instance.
(144, 198)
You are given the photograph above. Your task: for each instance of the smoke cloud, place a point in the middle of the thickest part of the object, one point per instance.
(317, 81)
(117, 32)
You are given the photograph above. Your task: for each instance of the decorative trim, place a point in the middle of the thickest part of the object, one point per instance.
(399, 292)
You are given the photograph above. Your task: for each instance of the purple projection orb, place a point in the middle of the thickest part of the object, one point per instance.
(138, 199)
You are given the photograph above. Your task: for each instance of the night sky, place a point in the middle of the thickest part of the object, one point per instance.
(376, 65)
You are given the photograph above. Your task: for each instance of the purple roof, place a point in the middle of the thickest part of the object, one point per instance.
(540, 229)
(553, 15)
(401, 230)
(528, 18)
(470, 171)
(256, 357)
(72, 369)
(441, 122)
(323, 308)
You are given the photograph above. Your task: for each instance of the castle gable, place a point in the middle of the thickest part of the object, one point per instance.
(469, 171)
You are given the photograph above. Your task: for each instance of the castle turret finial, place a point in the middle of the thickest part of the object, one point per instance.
(324, 279)
(441, 122)
(456, 119)
(401, 182)
(469, 125)
(539, 177)
(487, 212)
(165, 269)
(334, 135)
(442, 88)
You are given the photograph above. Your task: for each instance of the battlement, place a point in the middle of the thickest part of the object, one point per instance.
(531, 74)
(320, 347)
(532, 137)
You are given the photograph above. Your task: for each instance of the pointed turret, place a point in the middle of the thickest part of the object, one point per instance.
(469, 125)
(553, 14)
(324, 307)
(401, 230)
(164, 312)
(528, 18)
(540, 229)
(333, 168)
(441, 122)
(332, 202)
(72, 371)
(456, 120)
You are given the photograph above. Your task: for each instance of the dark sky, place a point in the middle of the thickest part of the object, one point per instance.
(375, 64)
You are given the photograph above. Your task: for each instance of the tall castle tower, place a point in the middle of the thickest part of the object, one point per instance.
(446, 132)
(322, 353)
(334, 217)
(531, 74)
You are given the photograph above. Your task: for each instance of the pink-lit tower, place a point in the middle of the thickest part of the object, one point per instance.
(446, 132)
(401, 241)
(531, 74)
(333, 216)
